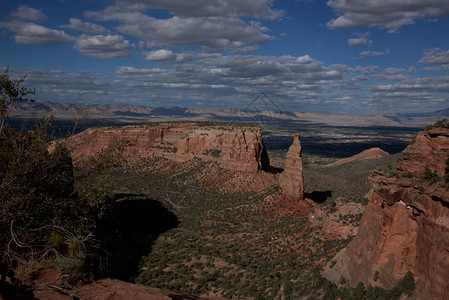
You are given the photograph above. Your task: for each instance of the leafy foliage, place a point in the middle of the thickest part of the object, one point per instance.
(444, 123)
(430, 176)
(433, 178)
(44, 213)
(405, 286)
(10, 93)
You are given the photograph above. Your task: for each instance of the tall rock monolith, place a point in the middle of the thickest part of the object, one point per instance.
(291, 180)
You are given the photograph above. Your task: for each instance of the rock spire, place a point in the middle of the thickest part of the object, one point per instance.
(291, 180)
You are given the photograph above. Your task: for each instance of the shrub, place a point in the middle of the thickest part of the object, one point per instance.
(11, 93)
(41, 209)
(431, 177)
(57, 241)
(407, 283)
(446, 173)
(444, 123)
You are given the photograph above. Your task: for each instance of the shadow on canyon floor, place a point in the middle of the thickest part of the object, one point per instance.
(318, 196)
(129, 230)
(274, 170)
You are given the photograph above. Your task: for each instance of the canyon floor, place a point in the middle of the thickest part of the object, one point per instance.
(231, 234)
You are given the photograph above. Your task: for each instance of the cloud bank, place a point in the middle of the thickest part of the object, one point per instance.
(386, 14)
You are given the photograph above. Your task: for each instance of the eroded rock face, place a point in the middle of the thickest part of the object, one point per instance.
(234, 147)
(291, 180)
(244, 150)
(429, 149)
(405, 226)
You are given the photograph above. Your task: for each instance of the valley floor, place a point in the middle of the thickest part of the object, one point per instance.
(243, 241)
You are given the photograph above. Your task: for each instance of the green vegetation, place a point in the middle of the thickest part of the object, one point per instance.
(405, 286)
(11, 93)
(213, 152)
(348, 180)
(446, 174)
(239, 244)
(235, 244)
(432, 178)
(390, 169)
(444, 123)
(45, 213)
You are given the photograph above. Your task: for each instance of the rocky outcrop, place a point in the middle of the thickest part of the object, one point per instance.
(235, 147)
(50, 284)
(405, 226)
(244, 149)
(373, 153)
(291, 180)
(429, 149)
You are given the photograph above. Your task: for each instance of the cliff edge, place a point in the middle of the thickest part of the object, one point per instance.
(234, 146)
(405, 226)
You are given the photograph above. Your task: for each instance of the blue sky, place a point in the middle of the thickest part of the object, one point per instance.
(339, 56)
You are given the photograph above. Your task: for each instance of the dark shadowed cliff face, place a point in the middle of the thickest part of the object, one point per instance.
(235, 147)
(406, 224)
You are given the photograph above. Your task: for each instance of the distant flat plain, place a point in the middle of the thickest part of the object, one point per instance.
(323, 135)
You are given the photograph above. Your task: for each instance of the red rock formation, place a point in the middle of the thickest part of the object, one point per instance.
(405, 226)
(49, 284)
(373, 153)
(234, 147)
(244, 150)
(429, 149)
(291, 180)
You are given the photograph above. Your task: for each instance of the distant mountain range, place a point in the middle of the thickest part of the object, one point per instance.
(420, 118)
(127, 113)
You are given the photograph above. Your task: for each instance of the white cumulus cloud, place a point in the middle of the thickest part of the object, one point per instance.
(103, 46)
(29, 33)
(24, 12)
(387, 14)
(435, 56)
(79, 25)
(212, 8)
(374, 53)
(358, 41)
(212, 33)
(160, 55)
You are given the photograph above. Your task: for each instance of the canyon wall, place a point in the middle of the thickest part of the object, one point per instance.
(235, 147)
(405, 226)
(291, 180)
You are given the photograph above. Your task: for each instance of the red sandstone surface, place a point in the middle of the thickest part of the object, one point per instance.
(50, 284)
(291, 180)
(238, 148)
(430, 148)
(405, 226)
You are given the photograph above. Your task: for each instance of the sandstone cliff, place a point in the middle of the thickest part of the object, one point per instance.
(291, 180)
(235, 147)
(405, 226)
